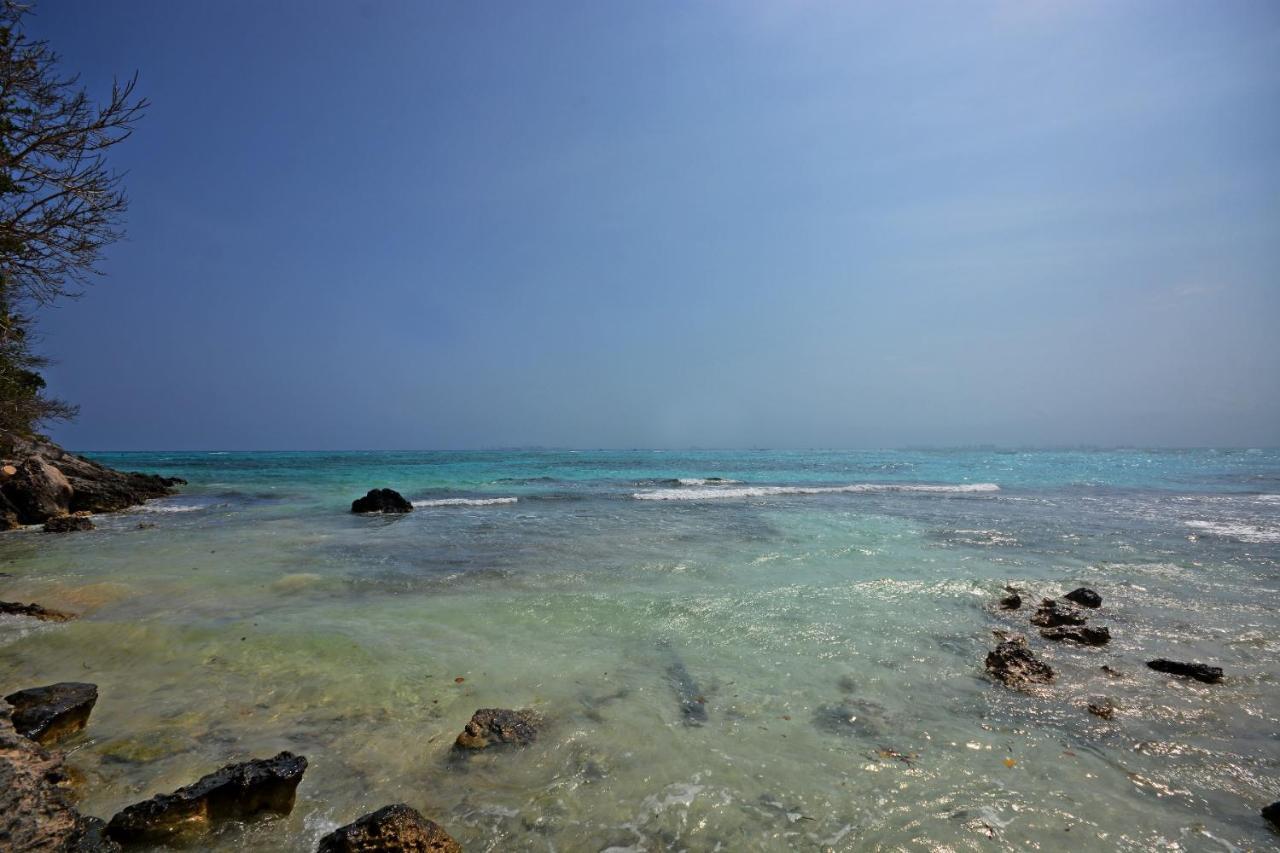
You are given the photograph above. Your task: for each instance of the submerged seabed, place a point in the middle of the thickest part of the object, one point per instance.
(835, 629)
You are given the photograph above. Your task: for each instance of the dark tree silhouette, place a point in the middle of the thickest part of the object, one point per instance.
(60, 202)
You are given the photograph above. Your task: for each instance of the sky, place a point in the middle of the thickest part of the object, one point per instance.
(768, 223)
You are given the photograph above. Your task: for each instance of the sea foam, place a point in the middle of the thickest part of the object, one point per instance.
(465, 502)
(687, 494)
(1252, 533)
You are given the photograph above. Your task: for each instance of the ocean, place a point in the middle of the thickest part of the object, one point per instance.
(730, 651)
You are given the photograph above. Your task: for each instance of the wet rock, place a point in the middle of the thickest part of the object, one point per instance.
(35, 611)
(1112, 671)
(1272, 815)
(389, 830)
(494, 726)
(1101, 706)
(68, 524)
(1016, 666)
(1011, 602)
(236, 792)
(1051, 614)
(1081, 634)
(1085, 597)
(1198, 671)
(35, 812)
(381, 500)
(47, 714)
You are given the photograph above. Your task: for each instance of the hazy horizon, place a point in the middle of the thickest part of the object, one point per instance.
(390, 225)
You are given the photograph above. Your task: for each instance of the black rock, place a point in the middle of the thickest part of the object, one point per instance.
(46, 714)
(236, 792)
(1011, 602)
(381, 500)
(388, 830)
(1272, 815)
(1198, 671)
(1081, 634)
(1051, 614)
(67, 524)
(1085, 597)
(36, 611)
(493, 726)
(1015, 665)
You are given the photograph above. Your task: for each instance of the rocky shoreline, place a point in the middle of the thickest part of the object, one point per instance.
(40, 483)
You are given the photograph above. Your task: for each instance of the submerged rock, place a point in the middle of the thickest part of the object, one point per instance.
(1081, 634)
(1085, 597)
(236, 792)
(494, 726)
(1015, 664)
(35, 811)
(1011, 602)
(49, 713)
(381, 500)
(388, 830)
(35, 611)
(856, 717)
(68, 524)
(1101, 706)
(1051, 614)
(1198, 671)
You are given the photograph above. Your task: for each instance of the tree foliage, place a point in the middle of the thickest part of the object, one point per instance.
(60, 202)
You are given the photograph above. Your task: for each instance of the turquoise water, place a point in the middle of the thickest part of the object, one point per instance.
(831, 610)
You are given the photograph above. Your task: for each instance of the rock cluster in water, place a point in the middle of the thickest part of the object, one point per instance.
(382, 500)
(40, 483)
(390, 829)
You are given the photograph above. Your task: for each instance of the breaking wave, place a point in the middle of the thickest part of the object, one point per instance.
(1253, 533)
(687, 494)
(465, 502)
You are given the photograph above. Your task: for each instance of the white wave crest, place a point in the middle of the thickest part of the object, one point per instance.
(465, 502)
(770, 491)
(704, 481)
(163, 507)
(1253, 533)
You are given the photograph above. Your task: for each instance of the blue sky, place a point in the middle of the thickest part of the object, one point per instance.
(607, 224)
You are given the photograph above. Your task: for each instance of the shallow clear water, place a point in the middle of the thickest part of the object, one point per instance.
(834, 635)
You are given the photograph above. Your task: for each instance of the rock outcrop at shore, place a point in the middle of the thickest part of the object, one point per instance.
(35, 811)
(382, 500)
(236, 792)
(47, 714)
(39, 481)
(391, 828)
